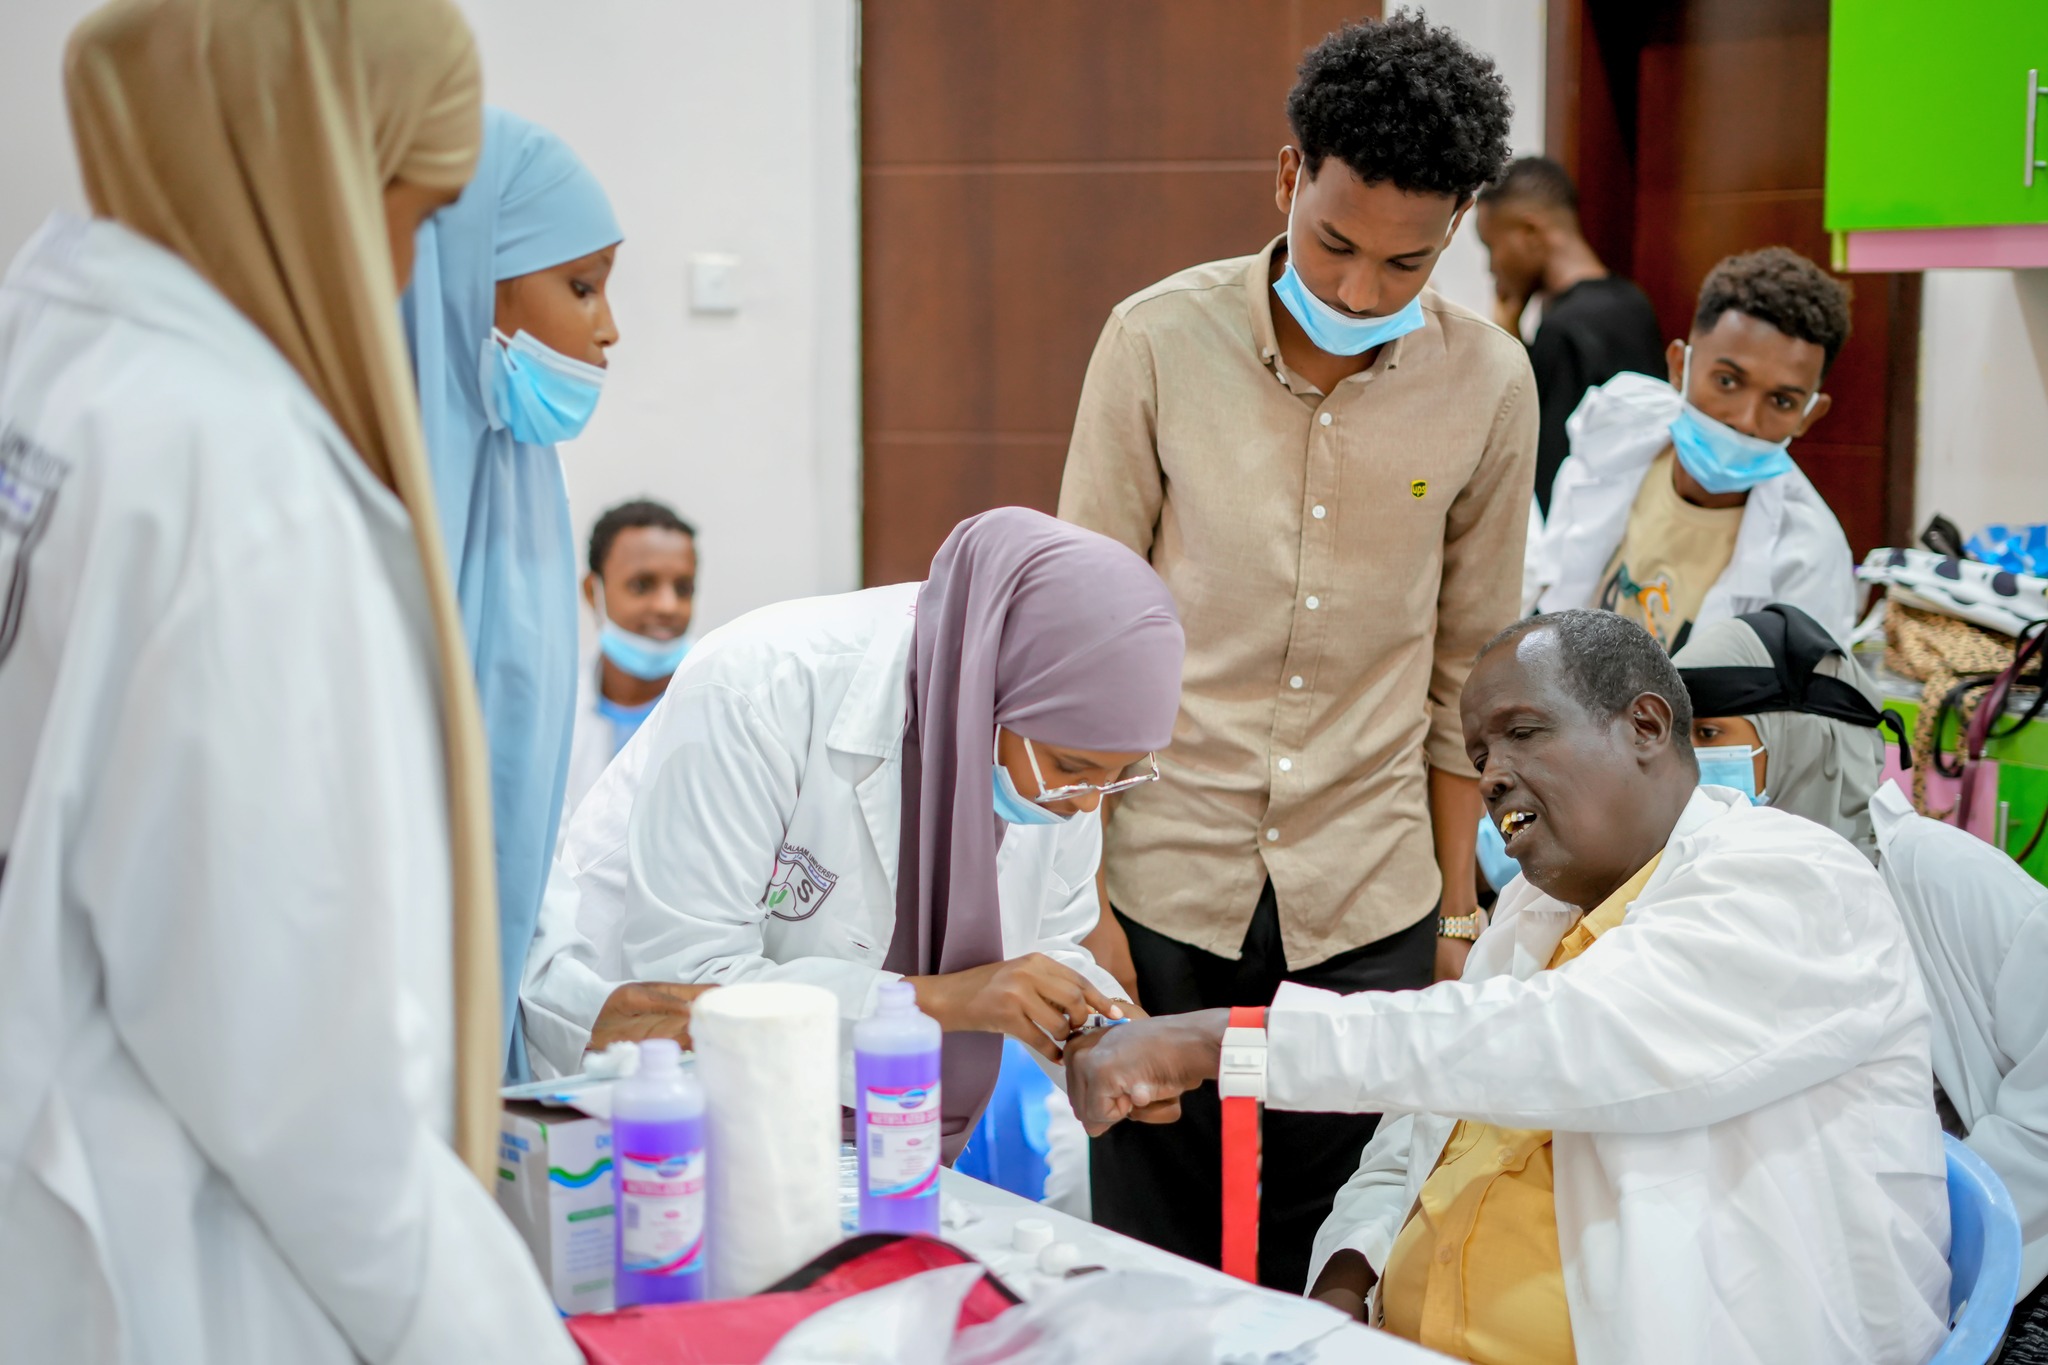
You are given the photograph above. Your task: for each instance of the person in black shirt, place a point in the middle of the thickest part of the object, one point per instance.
(1594, 324)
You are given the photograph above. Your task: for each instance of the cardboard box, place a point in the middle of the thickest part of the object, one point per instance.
(555, 1184)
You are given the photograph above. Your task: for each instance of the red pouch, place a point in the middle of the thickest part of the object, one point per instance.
(743, 1331)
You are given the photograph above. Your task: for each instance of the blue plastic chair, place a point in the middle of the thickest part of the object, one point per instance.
(1983, 1259)
(1008, 1148)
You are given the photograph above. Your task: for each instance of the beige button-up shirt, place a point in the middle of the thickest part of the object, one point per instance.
(1337, 560)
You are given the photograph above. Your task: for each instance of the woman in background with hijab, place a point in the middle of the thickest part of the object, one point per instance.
(1780, 706)
(892, 783)
(509, 326)
(247, 931)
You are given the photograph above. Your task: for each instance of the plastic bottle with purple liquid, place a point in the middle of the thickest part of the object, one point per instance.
(896, 1093)
(658, 1164)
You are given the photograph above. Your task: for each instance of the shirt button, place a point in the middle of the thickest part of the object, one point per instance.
(1324, 419)
(1313, 603)
(1272, 835)
(1295, 682)
(1318, 511)
(1286, 765)
(1445, 1255)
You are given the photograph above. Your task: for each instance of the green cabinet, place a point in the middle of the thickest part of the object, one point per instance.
(1931, 116)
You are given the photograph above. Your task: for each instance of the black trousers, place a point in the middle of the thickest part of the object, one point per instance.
(1163, 1183)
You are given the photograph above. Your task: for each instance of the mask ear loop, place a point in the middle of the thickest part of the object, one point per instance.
(1685, 384)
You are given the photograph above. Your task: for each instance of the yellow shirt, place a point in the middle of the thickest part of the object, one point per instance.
(1476, 1272)
(1670, 556)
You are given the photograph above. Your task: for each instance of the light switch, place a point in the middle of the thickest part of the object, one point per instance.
(714, 283)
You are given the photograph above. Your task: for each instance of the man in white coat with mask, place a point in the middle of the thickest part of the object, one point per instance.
(1678, 1108)
(1679, 503)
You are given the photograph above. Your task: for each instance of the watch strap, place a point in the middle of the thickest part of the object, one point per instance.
(1466, 927)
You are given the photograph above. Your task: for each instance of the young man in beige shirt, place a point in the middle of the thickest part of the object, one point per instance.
(1331, 468)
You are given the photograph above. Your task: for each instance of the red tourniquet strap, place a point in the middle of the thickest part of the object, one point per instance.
(1241, 1169)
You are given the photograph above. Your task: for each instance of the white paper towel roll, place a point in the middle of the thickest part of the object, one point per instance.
(768, 1055)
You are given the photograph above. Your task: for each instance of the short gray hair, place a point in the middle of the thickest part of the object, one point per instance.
(1607, 661)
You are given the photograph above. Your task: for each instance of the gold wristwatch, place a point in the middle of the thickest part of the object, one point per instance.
(1467, 927)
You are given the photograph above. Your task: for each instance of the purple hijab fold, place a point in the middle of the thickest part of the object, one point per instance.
(1059, 635)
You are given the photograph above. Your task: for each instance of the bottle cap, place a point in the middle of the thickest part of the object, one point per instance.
(896, 997)
(660, 1057)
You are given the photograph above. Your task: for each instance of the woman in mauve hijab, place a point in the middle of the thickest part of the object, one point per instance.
(893, 783)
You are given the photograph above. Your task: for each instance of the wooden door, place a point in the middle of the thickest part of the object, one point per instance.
(1698, 128)
(1025, 164)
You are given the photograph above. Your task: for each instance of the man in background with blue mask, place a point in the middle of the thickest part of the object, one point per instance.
(1680, 503)
(1330, 466)
(642, 586)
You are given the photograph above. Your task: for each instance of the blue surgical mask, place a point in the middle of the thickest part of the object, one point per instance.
(1332, 330)
(540, 395)
(1494, 862)
(1720, 458)
(1730, 765)
(643, 657)
(1011, 805)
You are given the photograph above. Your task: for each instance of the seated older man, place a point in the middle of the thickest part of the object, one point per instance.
(1678, 1108)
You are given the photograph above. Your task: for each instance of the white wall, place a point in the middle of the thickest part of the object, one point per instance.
(1512, 33)
(1983, 398)
(37, 171)
(715, 127)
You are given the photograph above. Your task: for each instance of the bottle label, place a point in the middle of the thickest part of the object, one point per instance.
(903, 1142)
(661, 1212)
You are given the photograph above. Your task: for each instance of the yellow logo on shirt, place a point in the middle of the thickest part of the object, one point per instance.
(1419, 487)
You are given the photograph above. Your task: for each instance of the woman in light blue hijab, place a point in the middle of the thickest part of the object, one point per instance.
(509, 324)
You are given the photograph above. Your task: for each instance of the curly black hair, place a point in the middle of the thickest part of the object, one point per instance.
(626, 517)
(1779, 286)
(1402, 100)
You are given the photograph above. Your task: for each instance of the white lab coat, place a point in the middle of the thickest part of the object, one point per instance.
(1790, 548)
(1747, 1162)
(772, 764)
(590, 747)
(1979, 928)
(226, 1037)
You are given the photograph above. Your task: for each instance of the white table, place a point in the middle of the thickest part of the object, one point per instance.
(1278, 1322)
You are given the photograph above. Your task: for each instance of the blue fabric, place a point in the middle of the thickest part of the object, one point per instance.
(1494, 862)
(2016, 549)
(1728, 765)
(1008, 1147)
(625, 720)
(504, 508)
(1983, 1258)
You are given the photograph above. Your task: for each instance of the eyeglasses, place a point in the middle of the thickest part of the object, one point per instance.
(1048, 795)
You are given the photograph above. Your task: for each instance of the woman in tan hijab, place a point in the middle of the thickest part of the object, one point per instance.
(247, 952)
